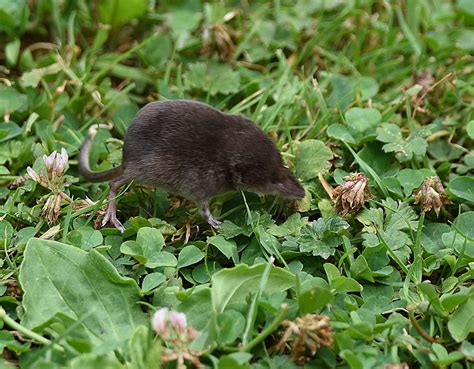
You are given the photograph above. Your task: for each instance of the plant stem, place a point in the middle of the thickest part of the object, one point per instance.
(267, 331)
(27, 332)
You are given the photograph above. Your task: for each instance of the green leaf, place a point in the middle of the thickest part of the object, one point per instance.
(147, 248)
(410, 179)
(228, 248)
(314, 299)
(343, 92)
(34, 77)
(213, 78)
(162, 259)
(462, 187)
(340, 132)
(360, 269)
(230, 326)
(62, 279)
(432, 237)
(461, 238)
(157, 51)
(189, 255)
(134, 249)
(470, 129)
(345, 284)
(152, 280)
(362, 119)
(465, 40)
(233, 285)
(12, 50)
(322, 236)
(150, 239)
(9, 130)
(85, 238)
(368, 87)
(13, 14)
(404, 149)
(11, 100)
(93, 361)
(312, 158)
(117, 12)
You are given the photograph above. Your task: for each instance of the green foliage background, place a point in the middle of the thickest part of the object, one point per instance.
(380, 87)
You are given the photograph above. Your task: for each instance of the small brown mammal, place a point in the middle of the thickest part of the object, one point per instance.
(193, 150)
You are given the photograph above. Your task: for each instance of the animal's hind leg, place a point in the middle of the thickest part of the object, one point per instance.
(111, 213)
(206, 214)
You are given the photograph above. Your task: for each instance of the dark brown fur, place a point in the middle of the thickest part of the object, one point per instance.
(191, 149)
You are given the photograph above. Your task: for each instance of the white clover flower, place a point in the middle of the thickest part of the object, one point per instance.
(159, 319)
(33, 175)
(178, 320)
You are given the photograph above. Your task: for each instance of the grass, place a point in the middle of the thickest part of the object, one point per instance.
(375, 87)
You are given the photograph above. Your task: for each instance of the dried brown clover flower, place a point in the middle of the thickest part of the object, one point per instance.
(219, 38)
(431, 195)
(305, 336)
(424, 79)
(350, 196)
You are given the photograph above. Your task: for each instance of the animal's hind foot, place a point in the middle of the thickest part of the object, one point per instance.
(111, 218)
(213, 222)
(206, 214)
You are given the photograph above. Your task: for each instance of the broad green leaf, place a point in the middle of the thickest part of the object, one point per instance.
(404, 149)
(85, 238)
(230, 326)
(227, 247)
(462, 187)
(410, 179)
(312, 158)
(201, 316)
(157, 51)
(389, 132)
(314, 299)
(12, 50)
(33, 77)
(189, 255)
(162, 259)
(368, 87)
(133, 248)
(147, 249)
(432, 237)
(362, 119)
(322, 236)
(11, 100)
(213, 78)
(346, 284)
(235, 284)
(343, 92)
(461, 238)
(152, 280)
(150, 239)
(62, 279)
(9, 130)
(117, 12)
(13, 15)
(94, 361)
(340, 132)
(465, 40)
(470, 129)
(360, 269)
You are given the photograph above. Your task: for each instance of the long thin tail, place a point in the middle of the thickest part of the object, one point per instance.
(84, 166)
